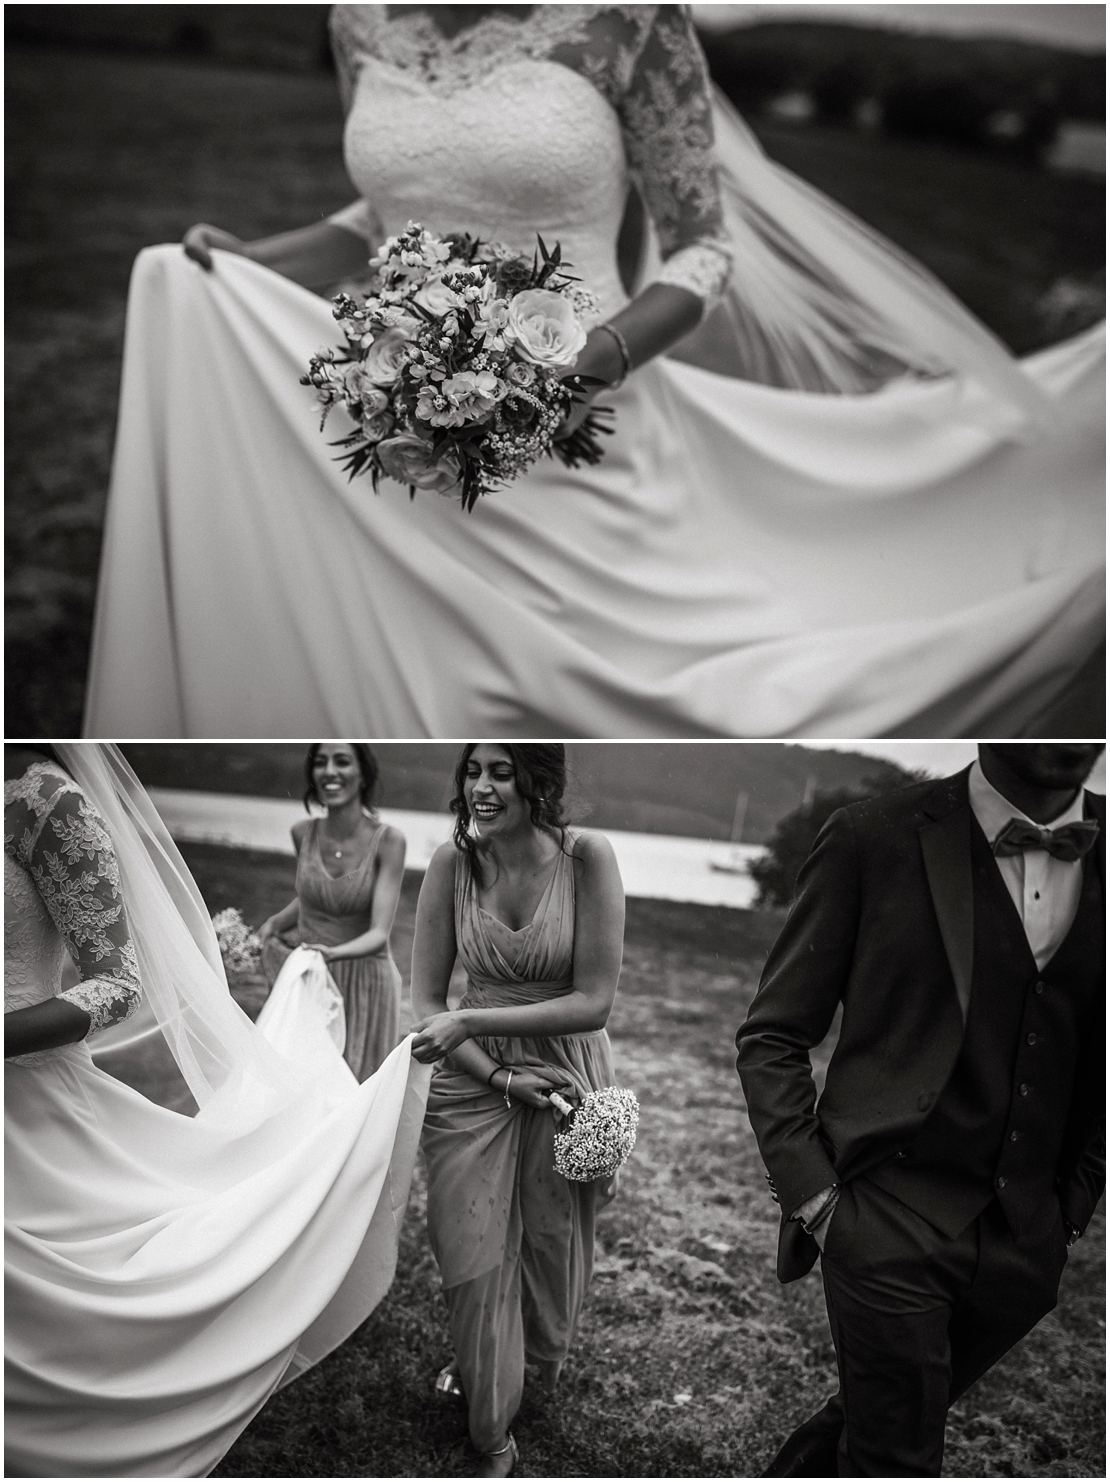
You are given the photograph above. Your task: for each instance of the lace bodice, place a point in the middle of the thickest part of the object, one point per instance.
(62, 891)
(526, 124)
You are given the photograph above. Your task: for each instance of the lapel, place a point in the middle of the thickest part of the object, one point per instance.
(946, 850)
(1094, 806)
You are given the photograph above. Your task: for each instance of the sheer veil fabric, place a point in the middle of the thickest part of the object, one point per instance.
(166, 1273)
(841, 507)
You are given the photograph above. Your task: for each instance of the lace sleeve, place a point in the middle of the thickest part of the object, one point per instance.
(667, 118)
(63, 844)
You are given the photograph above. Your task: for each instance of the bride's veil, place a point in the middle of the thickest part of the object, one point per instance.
(222, 1057)
(820, 302)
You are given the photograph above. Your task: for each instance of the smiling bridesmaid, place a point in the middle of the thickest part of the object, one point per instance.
(535, 912)
(349, 871)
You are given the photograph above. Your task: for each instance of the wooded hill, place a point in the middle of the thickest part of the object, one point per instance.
(687, 788)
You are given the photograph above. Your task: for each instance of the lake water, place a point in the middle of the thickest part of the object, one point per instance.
(656, 866)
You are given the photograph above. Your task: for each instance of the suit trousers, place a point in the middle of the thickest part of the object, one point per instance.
(916, 1318)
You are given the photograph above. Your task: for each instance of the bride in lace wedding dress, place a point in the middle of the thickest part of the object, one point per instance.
(165, 1273)
(837, 507)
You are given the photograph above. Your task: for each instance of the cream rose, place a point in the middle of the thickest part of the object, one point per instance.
(544, 328)
(407, 459)
(436, 297)
(386, 357)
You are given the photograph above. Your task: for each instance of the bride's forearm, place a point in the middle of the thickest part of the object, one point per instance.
(312, 255)
(655, 320)
(44, 1026)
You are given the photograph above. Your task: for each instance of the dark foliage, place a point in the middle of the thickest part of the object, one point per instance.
(789, 846)
(977, 92)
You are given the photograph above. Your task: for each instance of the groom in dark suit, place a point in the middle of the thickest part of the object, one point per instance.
(958, 1147)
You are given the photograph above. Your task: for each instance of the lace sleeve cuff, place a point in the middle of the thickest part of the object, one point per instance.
(702, 268)
(106, 1000)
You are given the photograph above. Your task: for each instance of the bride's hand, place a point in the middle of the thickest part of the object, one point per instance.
(578, 413)
(438, 1035)
(200, 239)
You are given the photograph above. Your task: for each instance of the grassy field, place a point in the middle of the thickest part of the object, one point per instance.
(108, 154)
(691, 1359)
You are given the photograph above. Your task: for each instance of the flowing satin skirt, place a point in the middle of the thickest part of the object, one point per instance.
(744, 562)
(514, 1240)
(166, 1274)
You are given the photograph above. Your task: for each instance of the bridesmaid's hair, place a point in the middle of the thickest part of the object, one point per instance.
(367, 766)
(540, 774)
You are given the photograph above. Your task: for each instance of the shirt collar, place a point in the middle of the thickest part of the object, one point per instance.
(994, 812)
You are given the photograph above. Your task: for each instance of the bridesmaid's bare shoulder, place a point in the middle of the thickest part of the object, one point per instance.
(590, 847)
(393, 843)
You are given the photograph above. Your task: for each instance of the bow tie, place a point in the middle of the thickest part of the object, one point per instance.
(1069, 842)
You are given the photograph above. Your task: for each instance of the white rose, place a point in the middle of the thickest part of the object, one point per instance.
(408, 459)
(386, 357)
(544, 328)
(436, 297)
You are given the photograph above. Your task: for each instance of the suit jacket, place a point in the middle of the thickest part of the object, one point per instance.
(882, 923)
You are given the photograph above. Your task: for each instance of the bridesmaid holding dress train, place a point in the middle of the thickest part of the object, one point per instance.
(349, 871)
(535, 913)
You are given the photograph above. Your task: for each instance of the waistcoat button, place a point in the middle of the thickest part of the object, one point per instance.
(1001, 1182)
(1038, 987)
(1013, 1137)
(1031, 1039)
(1023, 1089)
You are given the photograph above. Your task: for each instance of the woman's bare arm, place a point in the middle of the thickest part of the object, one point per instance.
(44, 1026)
(313, 256)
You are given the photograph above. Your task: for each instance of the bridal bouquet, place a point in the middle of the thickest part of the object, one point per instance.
(455, 365)
(240, 947)
(601, 1136)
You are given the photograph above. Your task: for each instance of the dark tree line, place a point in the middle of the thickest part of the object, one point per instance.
(976, 92)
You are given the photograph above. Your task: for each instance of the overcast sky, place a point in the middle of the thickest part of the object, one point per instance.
(941, 758)
(1079, 27)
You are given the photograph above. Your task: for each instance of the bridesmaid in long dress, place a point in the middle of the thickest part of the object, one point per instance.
(535, 912)
(349, 871)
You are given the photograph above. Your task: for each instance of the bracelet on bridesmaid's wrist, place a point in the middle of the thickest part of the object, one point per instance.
(493, 1072)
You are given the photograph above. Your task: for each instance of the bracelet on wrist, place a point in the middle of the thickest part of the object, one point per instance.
(626, 358)
(493, 1072)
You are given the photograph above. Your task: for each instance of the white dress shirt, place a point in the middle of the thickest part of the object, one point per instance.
(1045, 890)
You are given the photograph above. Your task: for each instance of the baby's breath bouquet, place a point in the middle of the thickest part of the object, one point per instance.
(455, 367)
(240, 947)
(601, 1135)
